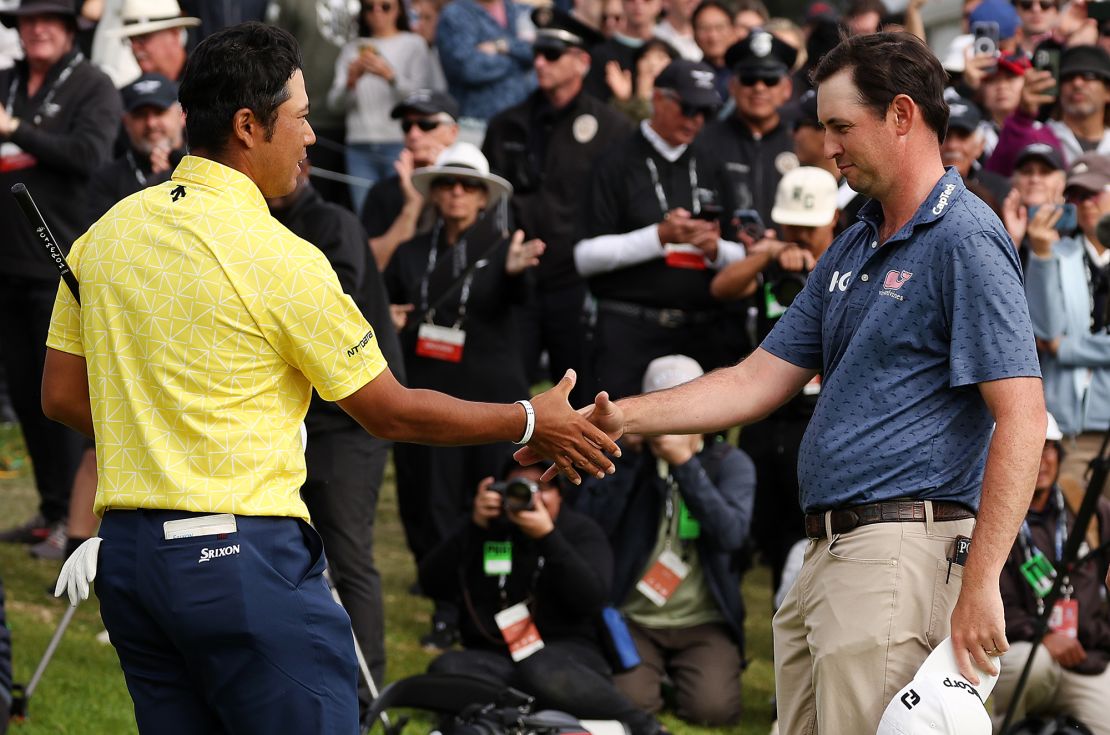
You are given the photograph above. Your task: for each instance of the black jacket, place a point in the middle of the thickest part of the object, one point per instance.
(623, 199)
(566, 594)
(548, 155)
(491, 368)
(753, 165)
(72, 138)
(338, 234)
(718, 486)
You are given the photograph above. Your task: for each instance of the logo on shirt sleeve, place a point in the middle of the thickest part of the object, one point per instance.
(351, 352)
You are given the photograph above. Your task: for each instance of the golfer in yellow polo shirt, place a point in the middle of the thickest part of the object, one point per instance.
(203, 328)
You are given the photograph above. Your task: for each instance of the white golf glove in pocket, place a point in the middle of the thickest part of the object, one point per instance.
(79, 571)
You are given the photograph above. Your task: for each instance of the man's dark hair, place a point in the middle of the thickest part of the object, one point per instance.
(885, 65)
(244, 66)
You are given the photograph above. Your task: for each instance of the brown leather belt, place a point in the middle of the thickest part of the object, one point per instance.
(890, 511)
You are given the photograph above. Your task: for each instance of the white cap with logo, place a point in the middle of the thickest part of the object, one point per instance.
(806, 197)
(939, 700)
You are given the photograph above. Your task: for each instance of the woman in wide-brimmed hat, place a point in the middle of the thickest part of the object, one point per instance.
(458, 287)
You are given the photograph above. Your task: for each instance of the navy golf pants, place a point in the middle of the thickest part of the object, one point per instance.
(227, 635)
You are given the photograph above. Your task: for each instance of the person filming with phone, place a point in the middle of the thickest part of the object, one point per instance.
(533, 576)
(1067, 282)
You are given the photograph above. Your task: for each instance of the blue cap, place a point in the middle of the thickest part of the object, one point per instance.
(1000, 12)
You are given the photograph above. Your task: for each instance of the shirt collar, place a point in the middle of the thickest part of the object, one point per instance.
(671, 152)
(208, 173)
(947, 190)
(1102, 260)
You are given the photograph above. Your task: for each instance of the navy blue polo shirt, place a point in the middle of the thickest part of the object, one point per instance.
(901, 332)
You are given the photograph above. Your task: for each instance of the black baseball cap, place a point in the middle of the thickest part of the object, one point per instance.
(1085, 59)
(692, 81)
(761, 53)
(149, 90)
(558, 30)
(807, 110)
(963, 114)
(1041, 152)
(426, 102)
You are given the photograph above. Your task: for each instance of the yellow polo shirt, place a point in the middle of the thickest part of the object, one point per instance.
(205, 325)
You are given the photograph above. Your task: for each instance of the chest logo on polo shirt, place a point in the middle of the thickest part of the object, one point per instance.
(840, 282)
(894, 280)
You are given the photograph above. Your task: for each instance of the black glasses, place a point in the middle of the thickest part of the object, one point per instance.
(371, 7)
(548, 53)
(689, 110)
(426, 125)
(450, 182)
(769, 80)
(1027, 5)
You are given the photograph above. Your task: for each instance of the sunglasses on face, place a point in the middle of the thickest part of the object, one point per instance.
(371, 7)
(689, 110)
(750, 80)
(1028, 5)
(549, 54)
(450, 182)
(426, 125)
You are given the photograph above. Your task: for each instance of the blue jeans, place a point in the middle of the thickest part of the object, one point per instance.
(243, 639)
(370, 161)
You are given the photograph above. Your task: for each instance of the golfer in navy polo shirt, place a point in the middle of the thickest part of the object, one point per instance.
(916, 319)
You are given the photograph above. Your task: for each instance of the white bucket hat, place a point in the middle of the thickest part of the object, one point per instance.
(806, 196)
(148, 16)
(939, 700)
(464, 160)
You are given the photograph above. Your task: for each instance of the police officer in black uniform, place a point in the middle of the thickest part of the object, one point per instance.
(653, 237)
(755, 144)
(546, 147)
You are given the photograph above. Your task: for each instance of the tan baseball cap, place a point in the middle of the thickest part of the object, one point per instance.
(806, 197)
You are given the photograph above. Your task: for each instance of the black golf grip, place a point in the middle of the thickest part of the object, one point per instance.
(46, 237)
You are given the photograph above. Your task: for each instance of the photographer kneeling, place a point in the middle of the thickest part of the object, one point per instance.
(537, 575)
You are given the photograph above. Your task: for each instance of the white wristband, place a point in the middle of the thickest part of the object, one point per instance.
(529, 422)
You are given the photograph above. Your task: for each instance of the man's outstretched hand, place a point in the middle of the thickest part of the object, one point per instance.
(598, 424)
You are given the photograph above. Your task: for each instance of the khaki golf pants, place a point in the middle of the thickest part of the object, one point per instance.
(866, 610)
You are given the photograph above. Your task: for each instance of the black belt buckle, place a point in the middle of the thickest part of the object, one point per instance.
(671, 318)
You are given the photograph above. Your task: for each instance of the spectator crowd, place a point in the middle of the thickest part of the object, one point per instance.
(635, 190)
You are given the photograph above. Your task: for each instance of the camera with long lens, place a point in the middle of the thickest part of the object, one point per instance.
(517, 494)
(788, 285)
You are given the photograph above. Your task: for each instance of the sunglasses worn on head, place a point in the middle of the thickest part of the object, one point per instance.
(750, 80)
(426, 125)
(549, 54)
(450, 182)
(1027, 5)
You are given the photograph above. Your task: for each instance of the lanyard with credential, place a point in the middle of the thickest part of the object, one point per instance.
(695, 204)
(50, 92)
(459, 253)
(1030, 550)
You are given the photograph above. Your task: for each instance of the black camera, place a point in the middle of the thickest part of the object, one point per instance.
(516, 494)
(788, 285)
